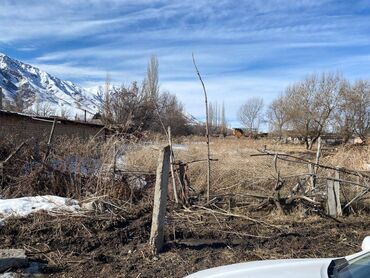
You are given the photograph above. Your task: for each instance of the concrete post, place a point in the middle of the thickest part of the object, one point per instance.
(160, 201)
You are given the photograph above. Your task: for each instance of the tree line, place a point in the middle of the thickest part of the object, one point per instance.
(143, 107)
(318, 104)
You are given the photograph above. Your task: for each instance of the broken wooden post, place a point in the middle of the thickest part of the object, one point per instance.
(183, 182)
(312, 176)
(333, 203)
(318, 154)
(114, 167)
(337, 193)
(51, 135)
(160, 201)
(2, 163)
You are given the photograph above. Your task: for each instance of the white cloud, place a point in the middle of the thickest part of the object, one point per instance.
(244, 48)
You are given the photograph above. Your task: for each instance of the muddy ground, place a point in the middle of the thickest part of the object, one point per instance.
(113, 243)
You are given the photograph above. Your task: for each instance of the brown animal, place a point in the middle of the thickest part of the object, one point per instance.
(238, 132)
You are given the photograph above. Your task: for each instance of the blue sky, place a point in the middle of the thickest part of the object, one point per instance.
(243, 48)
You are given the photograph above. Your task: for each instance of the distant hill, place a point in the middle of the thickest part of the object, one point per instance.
(42, 91)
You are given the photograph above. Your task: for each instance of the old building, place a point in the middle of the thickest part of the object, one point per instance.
(24, 126)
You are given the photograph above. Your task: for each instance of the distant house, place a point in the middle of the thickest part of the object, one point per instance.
(24, 126)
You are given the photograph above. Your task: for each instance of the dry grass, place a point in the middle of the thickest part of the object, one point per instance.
(81, 169)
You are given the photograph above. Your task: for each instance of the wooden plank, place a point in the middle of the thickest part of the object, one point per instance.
(160, 201)
(331, 202)
(51, 135)
(337, 194)
(312, 176)
(318, 154)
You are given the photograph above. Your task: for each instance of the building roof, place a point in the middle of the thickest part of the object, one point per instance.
(49, 119)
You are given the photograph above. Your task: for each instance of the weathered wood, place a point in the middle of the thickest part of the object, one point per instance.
(337, 194)
(183, 183)
(114, 168)
(318, 154)
(331, 202)
(14, 152)
(172, 158)
(160, 201)
(51, 135)
(12, 258)
(358, 197)
(296, 159)
(311, 172)
(2, 163)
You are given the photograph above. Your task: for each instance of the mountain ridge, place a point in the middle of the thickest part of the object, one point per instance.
(38, 89)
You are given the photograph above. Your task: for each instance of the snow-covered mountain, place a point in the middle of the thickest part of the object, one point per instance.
(43, 93)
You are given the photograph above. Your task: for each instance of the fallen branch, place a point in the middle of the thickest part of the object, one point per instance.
(283, 156)
(238, 216)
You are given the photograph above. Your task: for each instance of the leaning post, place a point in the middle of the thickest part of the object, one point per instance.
(160, 201)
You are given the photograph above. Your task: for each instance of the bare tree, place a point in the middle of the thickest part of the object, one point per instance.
(250, 113)
(107, 113)
(223, 120)
(354, 113)
(310, 104)
(42, 108)
(151, 82)
(277, 115)
(344, 115)
(361, 91)
(65, 113)
(142, 107)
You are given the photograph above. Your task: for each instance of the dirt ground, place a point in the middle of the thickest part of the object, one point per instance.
(114, 244)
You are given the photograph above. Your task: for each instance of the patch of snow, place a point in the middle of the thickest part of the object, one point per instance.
(179, 147)
(21, 207)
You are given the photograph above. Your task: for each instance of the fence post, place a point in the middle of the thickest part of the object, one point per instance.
(114, 164)
(331, 202)
(51, 135)
(312, 176)
(334, 207)
(160, 201)
(337, 193)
